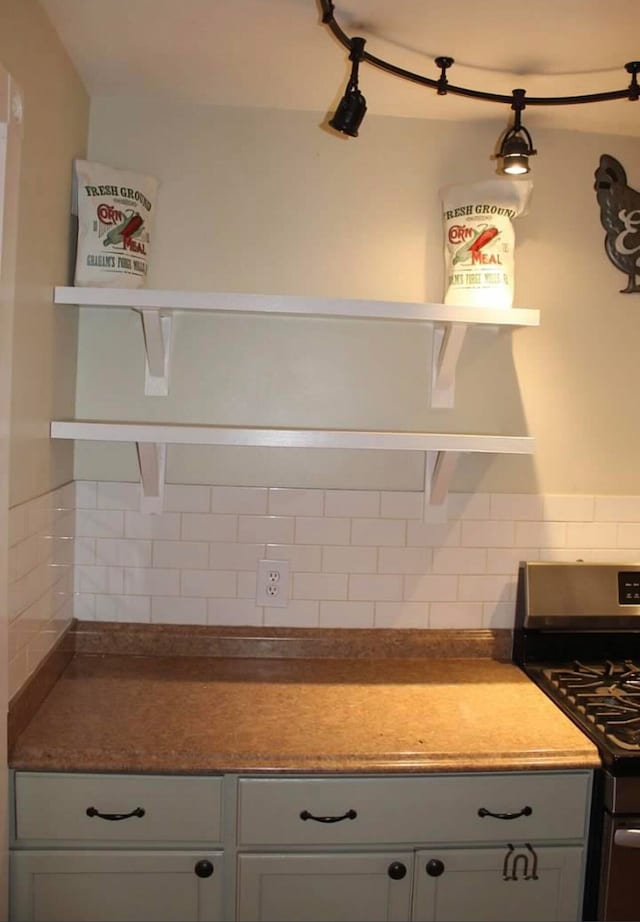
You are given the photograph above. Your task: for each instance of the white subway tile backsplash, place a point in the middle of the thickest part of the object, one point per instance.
(486, 588)
(298, 613)
(628, 536)
(540, 534)
(459, 560)
(123, 552)
(208, 583)
(430, 534)
(508, 559)
(100, 523)
(488, 534)
(150, 581)
(558, 508)
(86, 494)
(197, 526)
(118, 496)
(99, 579)
(295, 502)
(340, 559)
(450, 615)
(592, 534)
(379, 532)
(496, 615)
(306, 557)
(469, 506)
(180, 497)
(403, 560)
(401, 615)
(352, 503)
(319, 586)
(317, 530)
(141, 525)
(234, 612)
(375, 588)
(516, 506)
(346, 614)
(178, 611)
(190, 555)
(247, 584)
(134, 608)
(233, 556)
(265, 529)
(617, 509)
(239, 500)
(430, 588)
(401, 505)
(359, 558)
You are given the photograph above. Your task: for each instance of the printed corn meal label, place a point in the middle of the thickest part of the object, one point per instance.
(479, 241)
(115, 211)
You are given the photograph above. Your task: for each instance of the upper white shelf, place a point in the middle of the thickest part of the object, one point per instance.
(157, 306)
(166, 300)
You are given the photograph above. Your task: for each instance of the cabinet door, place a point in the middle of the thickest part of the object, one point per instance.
(325, 887)
(92, 886)
(510, 884)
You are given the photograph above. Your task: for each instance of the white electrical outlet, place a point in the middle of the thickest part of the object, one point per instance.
(272, 588)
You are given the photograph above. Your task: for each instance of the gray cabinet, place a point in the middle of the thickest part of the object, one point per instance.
(108, 886)
(116, 848)
(514, 883)
(350, 887)
(470, 847)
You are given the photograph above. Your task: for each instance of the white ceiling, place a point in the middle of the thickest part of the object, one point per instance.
(276, 53)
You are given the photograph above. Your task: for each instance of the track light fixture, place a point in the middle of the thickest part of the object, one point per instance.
(516, 145)
(349, 114)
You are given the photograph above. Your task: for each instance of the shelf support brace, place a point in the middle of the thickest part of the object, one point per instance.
(157, 328)
(152, 460)
(447, 344)
(439, 467)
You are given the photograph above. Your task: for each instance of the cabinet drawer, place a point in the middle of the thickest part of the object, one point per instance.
(54, 807)
(437, 808)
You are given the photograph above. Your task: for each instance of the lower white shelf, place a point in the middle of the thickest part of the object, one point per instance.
(441, 449)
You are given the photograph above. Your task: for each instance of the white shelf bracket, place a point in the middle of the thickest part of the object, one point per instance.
(157, 328)
(152, 460)
(439, 467)
(447, 345)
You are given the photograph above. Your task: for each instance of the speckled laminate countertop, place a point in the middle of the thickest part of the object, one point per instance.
(188, 713)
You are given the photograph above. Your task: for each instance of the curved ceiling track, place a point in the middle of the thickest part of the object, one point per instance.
(442, 85)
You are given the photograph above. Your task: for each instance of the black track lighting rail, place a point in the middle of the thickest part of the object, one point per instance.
(442, 85)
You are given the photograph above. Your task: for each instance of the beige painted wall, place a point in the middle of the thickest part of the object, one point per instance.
(264, 201)
(44, 339)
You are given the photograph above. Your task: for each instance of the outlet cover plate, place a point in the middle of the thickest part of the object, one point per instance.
(272, 585)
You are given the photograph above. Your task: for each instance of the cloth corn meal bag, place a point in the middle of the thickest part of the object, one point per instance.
(479, 240)
(115, 210)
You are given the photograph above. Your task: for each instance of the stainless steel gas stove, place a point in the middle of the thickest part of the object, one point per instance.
(578, 637)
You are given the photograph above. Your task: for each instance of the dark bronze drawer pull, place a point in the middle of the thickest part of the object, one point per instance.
(526, 811)
(139, 811)
(349, 815)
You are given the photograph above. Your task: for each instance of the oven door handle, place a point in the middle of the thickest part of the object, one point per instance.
(627, 838)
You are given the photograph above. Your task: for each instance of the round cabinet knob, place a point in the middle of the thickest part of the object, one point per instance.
(396, 870)
(435, 867)
(203, 868)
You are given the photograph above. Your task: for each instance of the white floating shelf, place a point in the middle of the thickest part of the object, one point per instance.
(157, 306)
(441, 449)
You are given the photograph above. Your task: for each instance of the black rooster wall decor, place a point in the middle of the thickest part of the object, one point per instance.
(620, 217)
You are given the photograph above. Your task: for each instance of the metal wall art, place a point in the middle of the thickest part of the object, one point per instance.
(620, 217)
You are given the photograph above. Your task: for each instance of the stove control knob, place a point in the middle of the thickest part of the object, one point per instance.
(396, 870)
(435, 867)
